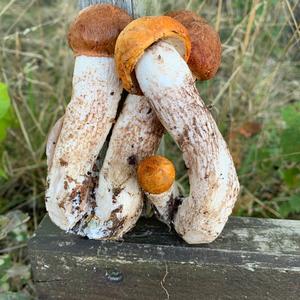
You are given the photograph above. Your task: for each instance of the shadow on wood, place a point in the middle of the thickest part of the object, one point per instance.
(252, 259)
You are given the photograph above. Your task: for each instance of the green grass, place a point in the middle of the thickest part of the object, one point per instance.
(254, 99)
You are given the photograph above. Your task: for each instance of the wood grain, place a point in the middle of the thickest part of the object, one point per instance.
(252, 259)
(135, 8)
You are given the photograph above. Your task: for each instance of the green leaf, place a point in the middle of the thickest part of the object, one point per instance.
(2, 131)
(7, 118)
(291, 114)
(3, 174)
(291, 177)
(7, 121)
(4, 99)
(290, 144)
(289, 137)
(285, 209)
(292, 205)
(294, 202)
(5, 264)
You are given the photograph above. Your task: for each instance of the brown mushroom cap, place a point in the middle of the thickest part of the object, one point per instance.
(95, 30)
(156, 174)
(141, 34)
(206, 52)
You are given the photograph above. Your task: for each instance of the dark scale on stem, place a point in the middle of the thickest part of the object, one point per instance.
(117, 191)
(132, 160)
(173, 205)
(62, 162)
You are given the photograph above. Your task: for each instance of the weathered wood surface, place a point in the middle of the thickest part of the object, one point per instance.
(252, 259)
(135, 8)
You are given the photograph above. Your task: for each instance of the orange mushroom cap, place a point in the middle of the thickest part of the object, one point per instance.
(95, 30)
(141, 34)
(156, 174)
(205, 57)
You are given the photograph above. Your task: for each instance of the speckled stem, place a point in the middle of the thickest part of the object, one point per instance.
(167, 82)
(88, 119)
(165, 204)
(52, 141)
(119, 199)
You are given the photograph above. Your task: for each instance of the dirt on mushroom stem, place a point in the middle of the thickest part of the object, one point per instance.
(86, 124)
(119, 199)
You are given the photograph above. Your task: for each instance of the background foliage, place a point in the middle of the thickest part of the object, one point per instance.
(254, 98)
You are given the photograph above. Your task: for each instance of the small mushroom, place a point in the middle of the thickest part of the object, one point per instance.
(149, 56)
(89, 115)
(156, 176)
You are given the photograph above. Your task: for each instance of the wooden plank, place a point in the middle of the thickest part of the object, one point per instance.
(252, 259)
(135, 8)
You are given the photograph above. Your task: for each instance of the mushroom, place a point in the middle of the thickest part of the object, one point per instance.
(204, 61)
(156, 176)
(149, 58)
(119, 198)
(89, 115)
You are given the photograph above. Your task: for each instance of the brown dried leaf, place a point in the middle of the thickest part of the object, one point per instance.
(249, 129)
(235, 147)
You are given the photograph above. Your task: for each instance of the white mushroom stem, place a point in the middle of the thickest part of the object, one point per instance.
(88, 119)
(52, 140)
(119, 199)
(167, 82)
(165, 204)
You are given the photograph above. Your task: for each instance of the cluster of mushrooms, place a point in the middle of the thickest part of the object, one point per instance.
(97, 189)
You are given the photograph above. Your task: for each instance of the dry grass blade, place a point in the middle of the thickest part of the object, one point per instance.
(297, 27)
(250, 25)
